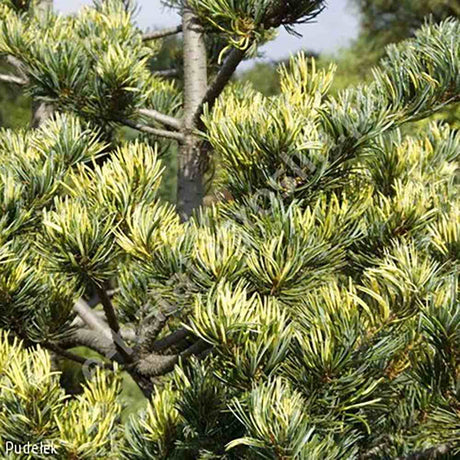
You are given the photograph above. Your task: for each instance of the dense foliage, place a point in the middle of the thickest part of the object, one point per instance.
(314, 315)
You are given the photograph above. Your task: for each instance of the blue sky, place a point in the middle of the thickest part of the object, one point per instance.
(334, 28)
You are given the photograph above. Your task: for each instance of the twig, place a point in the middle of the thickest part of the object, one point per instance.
(157, 132)
(19, 66)
(97, 321)
(162, 118)
(161, 33)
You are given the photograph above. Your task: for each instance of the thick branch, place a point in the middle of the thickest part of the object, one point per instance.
(95, 341)
(166, 120)
(161, 33)
(96, 320)
(90, 318)
(148, 332)
(155, 365)
(7, 78)
(223, 77)
(157, 132)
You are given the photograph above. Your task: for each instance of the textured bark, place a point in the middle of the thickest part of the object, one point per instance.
(93, 340)
(192, 156)
(155, 365)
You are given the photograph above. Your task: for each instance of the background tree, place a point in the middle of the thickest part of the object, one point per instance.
(382, 22)
(394, 21)
(313, 316)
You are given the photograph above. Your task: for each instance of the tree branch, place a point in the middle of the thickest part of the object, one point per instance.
(95, 300)
(90, 318)
(72, 356)
(223, 77)
(428, 454)
(155, 365)
(162, 118)
(161, 33)
(170, 340)
(96, 320)
(93, 340)
(114, 326)
(7, 78)
(18, 65)
(157, 132)
(148, 332)
(166, 73)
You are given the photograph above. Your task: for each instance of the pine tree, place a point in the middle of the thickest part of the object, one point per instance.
(312, 316)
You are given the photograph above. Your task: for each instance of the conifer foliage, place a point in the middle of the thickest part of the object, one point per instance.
(313, 316)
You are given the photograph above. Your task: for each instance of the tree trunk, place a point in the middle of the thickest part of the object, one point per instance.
(192, 155)
(40, 110)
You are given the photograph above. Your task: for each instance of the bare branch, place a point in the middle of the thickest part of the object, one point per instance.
(148, 333)
(94, 341)
(196, 349)
(97, 321)
(162, 118)
(156, 132)
(18, 65)
(90, 318)
(155, 365)
(170, 340)
(161, 33)
(223, 77)
(171, 73)
(7, 78)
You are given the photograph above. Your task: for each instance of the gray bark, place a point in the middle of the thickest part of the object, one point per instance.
(192, 158)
